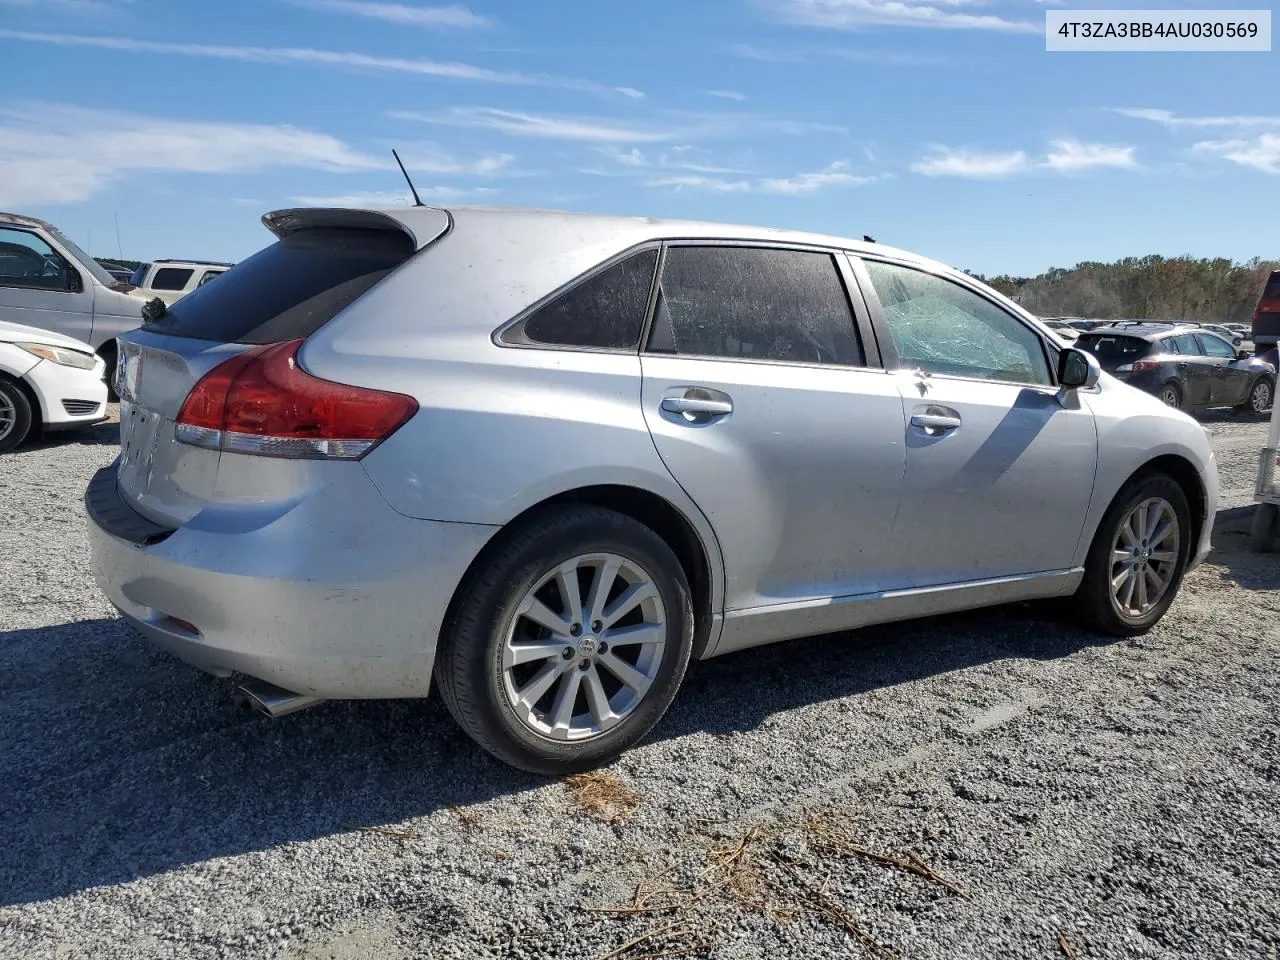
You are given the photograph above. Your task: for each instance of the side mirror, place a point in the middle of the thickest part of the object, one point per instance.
(1076, 369)
(1242, 354)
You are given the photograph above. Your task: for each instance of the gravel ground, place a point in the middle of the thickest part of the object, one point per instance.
(1081, 797)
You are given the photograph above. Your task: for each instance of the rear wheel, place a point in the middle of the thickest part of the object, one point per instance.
(1171, 395)
(570, 643)
(1138, 556)
(1261, 396)
(15, 415)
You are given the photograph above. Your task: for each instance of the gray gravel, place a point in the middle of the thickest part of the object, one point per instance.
(1122, 795)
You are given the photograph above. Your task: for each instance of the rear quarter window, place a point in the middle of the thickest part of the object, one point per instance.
(606, 311)
(171, 278)
(288, 290)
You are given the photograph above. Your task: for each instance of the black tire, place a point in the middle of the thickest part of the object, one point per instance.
(1262, 394)
(1094, 600)
(1171, 389)
(16, 428)
(468, 666)
(108, 354)
(1262, 532)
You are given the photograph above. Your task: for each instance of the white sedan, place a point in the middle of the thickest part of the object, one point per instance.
(46, 381)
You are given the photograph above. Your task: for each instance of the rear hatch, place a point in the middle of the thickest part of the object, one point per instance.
(1113, 349)
(221, 333)
(1266, 318)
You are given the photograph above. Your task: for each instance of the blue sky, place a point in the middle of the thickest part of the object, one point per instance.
(941, 126)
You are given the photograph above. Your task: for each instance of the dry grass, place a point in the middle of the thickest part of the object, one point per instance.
(776, 871)
(602, 795)
(467, 819)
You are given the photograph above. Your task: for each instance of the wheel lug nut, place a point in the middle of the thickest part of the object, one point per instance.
(595, 626)
(584, 664)
(568, 653)
(575, 629)
(604, 648)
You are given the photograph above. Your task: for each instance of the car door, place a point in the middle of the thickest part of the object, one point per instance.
(1195, 370)
(999, 467)
(1230, 382)
(39, 287)
(759, 400)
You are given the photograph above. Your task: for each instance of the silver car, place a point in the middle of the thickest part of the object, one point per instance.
(545, 459)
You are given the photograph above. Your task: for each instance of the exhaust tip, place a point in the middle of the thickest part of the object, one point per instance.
(266, 698)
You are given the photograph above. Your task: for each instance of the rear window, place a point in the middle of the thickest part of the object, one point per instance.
(288, 290)
(1272, 291)
(1108, 347)
(171, 278)
(605, 311)
(139, 277)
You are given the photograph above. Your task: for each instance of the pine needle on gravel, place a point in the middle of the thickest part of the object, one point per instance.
(602, 795)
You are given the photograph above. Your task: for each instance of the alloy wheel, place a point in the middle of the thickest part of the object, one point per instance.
(584, 647)
(1144, 557)
(8, 415)
(1260, 398)
(1169, 397)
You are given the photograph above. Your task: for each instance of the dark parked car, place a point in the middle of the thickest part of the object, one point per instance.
(1266, 317)
(1185, 367)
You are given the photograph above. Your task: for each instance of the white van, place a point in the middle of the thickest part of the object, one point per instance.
(171, 280)
(46, 281)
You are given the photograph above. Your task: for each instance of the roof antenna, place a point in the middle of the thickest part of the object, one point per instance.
(417, 200)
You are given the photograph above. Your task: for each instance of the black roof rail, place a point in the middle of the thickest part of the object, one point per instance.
(200, 263)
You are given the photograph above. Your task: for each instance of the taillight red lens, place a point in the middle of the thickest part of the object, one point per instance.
(262, 402)
(1141, 365)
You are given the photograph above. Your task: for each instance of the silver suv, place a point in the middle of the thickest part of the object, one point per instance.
(546, 458)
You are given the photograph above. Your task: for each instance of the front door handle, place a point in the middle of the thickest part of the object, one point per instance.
(934, 423)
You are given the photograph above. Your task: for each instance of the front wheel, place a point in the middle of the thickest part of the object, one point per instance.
(569, 643)
(15, 415)
(1261, 395)
(1138, 556)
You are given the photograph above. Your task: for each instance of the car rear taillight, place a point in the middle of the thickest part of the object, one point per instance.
(261, 402)
(1138, 366)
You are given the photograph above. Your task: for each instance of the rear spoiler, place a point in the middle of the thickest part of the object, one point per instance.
(421, 224)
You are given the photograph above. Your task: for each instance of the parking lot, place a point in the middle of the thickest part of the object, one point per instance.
(999, 784)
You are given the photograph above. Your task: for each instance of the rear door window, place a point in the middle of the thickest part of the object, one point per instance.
(1187, 345)
(171, 278)
(604, 312)
(753, 303)
(290, 289)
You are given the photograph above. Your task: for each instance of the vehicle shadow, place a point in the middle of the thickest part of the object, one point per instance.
(124, 763)
(97, 435)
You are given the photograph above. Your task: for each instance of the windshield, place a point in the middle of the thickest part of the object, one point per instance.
(86, 261)
(1109, 348)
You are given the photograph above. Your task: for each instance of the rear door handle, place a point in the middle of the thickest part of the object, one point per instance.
(698, 406)
(934, 423)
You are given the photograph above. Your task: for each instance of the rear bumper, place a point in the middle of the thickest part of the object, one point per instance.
(337, 596)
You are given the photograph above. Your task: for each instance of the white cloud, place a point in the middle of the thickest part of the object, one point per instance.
(1171, 120)
(854, 14)
(1067, 156)
(327, 58)
(453, 16)
(838, 174)
(542, 126)
(685, 158)
(947, 162)
(60, 154)
(1262, 153)
(388, 198)
(1063, 156)
(431, 158)
(727, 95)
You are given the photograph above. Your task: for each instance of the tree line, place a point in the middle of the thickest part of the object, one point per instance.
(1144, 288)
